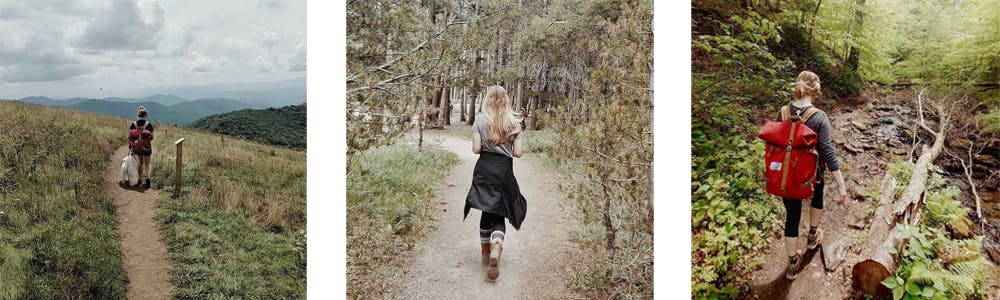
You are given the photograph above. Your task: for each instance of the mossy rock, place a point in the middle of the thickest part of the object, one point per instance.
(961, 228)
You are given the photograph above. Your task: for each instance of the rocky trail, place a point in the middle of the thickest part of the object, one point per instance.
(867, 137)
(534, 264)
(144, 256)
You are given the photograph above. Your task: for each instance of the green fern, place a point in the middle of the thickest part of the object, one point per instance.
(942, 208)
(933, 266)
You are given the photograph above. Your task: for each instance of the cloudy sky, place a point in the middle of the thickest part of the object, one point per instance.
(65, 48)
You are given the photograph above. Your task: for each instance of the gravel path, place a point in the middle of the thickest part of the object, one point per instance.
(534, 264)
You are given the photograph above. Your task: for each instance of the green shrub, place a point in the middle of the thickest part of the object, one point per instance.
(933, 265)
(936, 267)
(388, 194)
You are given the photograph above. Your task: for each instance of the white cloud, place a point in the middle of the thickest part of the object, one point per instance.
(271, 3)
(63, 48)
(296, 61)
(201, 63)
(126, 25)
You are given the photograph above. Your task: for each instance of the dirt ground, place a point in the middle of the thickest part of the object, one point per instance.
(535, 260)
(144, 255)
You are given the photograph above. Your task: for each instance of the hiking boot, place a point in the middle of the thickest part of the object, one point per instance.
(793, 266)
(814, 239)
(494, 261)
(486, 252)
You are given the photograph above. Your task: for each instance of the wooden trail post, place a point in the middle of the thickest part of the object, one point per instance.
(177, 179)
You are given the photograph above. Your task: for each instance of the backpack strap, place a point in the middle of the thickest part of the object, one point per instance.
(809, 113)
(785, 113)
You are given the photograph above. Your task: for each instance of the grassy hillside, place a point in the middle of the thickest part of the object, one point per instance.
(57, 222)
(237, 231)
(284, 126)
(180, 114)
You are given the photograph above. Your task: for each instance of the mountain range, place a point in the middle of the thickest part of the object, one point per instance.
(162, 108)
(258, 94)
(182, 105)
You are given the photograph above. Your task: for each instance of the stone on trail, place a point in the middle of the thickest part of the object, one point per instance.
(834, 253)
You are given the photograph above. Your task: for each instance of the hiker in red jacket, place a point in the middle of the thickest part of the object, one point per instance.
(807, 90)
(140, 138)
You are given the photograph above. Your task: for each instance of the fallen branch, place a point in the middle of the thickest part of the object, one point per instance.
(884, 237)
(967, 170)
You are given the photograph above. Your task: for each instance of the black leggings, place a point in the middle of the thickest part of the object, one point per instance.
(793, 207)
(490, 223)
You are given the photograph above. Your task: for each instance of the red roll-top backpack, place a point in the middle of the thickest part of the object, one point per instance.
(790, 155)
(141, 138)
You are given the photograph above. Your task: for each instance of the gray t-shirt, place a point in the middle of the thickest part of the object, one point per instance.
(820, 123)
(479, 126)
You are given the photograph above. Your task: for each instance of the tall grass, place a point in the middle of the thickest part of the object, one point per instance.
(236, 231)
(388, 195)
(57, 223)
(238, 228)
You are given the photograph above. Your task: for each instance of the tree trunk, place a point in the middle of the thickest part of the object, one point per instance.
(472, 110)
(884, 236)
(461, 107)
(445, 104)
(853, 57)
(517, 97)
(529, 119)
(868, 275)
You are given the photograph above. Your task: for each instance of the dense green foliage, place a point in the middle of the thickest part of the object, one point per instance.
(388, 198)
(57, 222)
(731, 217)
(612, 124)
(935, 265)
(285, 126)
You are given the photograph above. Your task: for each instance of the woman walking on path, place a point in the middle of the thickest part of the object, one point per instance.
(807, 90)
(140, 138)
(496, 138)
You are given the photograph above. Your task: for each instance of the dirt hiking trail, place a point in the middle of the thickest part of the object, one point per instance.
(144, 256)
(866, 138)
(534, 264)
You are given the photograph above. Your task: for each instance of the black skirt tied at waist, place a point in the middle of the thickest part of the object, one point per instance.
(495, 190)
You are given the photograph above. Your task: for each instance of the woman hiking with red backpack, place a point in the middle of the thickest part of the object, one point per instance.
(496, 138)
(140, 139)
(801, 111)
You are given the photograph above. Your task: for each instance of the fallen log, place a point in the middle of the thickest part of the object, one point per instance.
(867, 275)
(884, 235)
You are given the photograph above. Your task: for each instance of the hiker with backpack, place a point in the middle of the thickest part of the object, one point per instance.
(496, 137)
(795, 159)
(140, 139)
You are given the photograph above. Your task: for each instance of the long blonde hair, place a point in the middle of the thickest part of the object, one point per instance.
(501, 120)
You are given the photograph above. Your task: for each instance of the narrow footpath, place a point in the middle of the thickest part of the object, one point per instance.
(144, 255)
